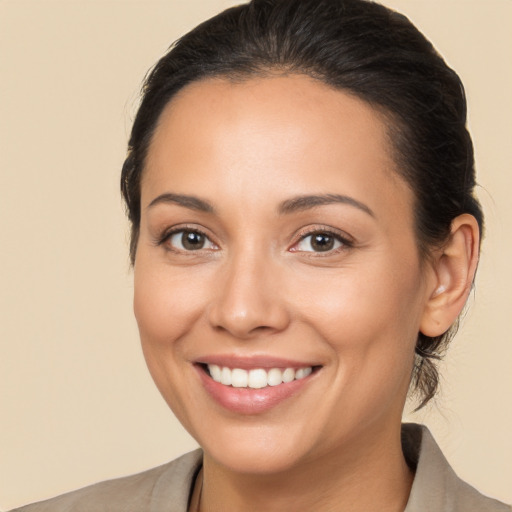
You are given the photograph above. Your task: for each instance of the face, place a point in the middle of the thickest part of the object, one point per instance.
(278, 288)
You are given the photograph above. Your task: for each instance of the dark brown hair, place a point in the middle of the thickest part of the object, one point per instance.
(357, 46)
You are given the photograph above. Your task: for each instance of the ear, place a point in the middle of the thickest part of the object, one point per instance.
(454, 269)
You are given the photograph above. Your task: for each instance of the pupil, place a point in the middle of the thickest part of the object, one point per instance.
(322, 242)
(192, 241)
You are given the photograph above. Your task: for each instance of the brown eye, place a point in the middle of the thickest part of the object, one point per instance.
(186, 240)
(319, 242)
(192, 241)
(322, 242)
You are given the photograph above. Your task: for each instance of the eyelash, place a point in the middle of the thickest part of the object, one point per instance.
(167, 235)
(343, 239)
(345, 242)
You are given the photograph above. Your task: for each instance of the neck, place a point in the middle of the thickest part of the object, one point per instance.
(369, 475)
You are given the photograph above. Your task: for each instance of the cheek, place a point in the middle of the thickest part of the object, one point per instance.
(371, 331)
(360, 303)
(369, 319)
(166, 304)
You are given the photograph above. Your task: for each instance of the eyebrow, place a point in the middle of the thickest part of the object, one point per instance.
(295, 204)
(301, 203)
(190, 202)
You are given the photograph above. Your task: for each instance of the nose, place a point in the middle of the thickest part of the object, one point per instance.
(249, 299)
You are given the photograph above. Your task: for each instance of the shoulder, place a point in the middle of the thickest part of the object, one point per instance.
(151, 490)
(436, 486)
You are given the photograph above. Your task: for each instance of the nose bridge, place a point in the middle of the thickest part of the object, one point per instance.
(247, 300)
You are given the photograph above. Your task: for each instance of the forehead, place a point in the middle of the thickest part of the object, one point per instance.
(269, 137)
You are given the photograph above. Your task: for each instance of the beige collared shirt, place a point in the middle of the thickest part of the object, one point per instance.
(167, 488)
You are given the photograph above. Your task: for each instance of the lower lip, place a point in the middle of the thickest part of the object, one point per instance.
(248, 400)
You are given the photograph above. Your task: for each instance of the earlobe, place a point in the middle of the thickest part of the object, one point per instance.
(454, 270)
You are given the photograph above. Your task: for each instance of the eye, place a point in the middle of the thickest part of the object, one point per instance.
(320, 241)
(189, 240)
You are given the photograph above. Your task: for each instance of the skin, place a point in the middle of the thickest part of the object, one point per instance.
(258, 288)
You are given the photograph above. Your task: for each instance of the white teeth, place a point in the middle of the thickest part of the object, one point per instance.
(288, 375)
(275, 377)
(239, 378)
(215, 372)
(302, 372)
(225, 376)
(257, 378)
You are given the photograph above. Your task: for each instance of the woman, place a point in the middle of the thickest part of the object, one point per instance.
(299, 183)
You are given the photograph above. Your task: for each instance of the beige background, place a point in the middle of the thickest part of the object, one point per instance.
(76, 402)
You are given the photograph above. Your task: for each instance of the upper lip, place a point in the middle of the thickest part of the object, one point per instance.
(253, 362)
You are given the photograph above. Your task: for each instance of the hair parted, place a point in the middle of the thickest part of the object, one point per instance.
(357, 46)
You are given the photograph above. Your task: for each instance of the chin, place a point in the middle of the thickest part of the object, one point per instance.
(246, 459)
(256, 449)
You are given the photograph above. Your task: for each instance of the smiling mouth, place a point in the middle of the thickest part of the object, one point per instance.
(257, 378)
